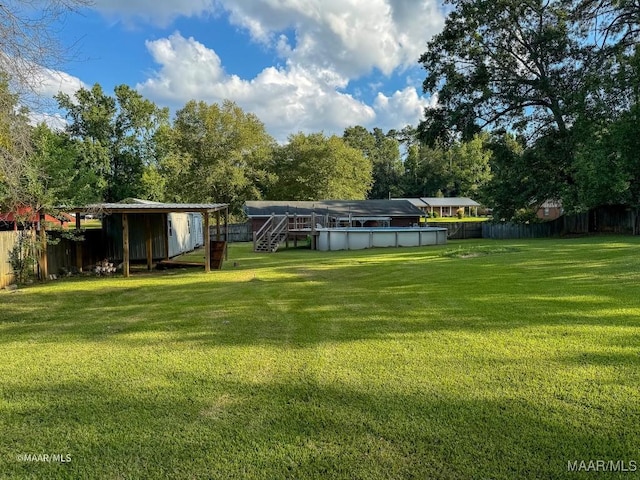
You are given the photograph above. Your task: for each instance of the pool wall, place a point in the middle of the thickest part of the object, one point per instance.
(360, 238)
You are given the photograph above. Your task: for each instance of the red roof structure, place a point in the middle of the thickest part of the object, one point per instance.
(22, 214)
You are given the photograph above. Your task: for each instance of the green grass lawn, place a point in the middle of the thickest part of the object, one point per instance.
(476, 360)
(456, 219)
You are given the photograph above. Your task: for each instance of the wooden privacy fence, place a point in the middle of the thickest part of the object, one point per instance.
(63, 254)
(7, 241)
(461, 230)
(506, 230)
(564, 225)
(238, 232)
(606, 219)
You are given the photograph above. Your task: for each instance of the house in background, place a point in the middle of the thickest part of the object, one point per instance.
(550, 210)
(12, 220)
(355, 213)
(445, 206)
(275, 222)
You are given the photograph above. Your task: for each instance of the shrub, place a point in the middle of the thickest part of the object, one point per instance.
(22, 257)
(460, 213)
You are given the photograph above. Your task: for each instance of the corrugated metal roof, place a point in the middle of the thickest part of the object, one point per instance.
(143, 206)
(365, 208)
(450, 202)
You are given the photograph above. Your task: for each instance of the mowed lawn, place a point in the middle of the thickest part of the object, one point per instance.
(478, 359)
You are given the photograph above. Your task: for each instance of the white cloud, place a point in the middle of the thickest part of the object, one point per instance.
(49, 82)
(404, 107)
(349, 36)
(287, 100)
(323, 44)
(55, 121)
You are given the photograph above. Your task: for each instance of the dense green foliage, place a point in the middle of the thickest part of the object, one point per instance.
(116, 136)
(362, 364)
(19, 177)
(562, 77)
(216, 153)
(314, 167)
(384, 153)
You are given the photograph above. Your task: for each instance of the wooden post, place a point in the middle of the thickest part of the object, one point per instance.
(165, 226)
(149, 242)
(44, 268)
(78, 245)
(218, 225)
(226, 233)
(125, 245)
(207, 243)
(295, 227)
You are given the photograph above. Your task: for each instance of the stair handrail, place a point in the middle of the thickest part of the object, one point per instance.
(274, 233)
(262, 232)
(282, 226)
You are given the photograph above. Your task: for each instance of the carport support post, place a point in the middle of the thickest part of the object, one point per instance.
(207, 243)
(44, 269)
(149, 242)
(226, 233)
(217, 225)
(78, 245)
(125, 245)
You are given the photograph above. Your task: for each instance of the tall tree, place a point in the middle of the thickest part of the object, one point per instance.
(67, 178)
(216, 153)
(314, 167)
(502, 63)
(118, 135)
(459, 169)
(18, 176)
(384, 152)
(469, 166)
(426, 171)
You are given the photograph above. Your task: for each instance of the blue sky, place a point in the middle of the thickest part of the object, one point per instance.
(299, 65)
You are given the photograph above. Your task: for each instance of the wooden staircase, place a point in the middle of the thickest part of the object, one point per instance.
(271, 234)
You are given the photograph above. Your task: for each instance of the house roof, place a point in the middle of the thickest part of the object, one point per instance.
(344, 208)
(449, 202)
(25, 214)
(550, 203)
(415, 201)
(135, 205)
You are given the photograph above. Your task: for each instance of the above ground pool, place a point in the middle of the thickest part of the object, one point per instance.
(360, 238)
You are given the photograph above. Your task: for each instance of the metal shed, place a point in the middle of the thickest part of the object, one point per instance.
(141, 229)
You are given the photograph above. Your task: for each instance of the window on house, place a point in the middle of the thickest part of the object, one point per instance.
(546, 211)
(170, 229)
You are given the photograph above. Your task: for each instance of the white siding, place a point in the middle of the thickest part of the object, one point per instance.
(196, 230)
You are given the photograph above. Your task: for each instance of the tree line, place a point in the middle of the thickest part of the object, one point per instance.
(124, 146)
(537, 100)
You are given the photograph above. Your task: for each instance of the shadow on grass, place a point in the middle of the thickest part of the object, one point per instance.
(201, 425)
(298, 298)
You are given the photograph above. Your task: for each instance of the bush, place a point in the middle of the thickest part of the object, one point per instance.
(460, 213)
(22, 257)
